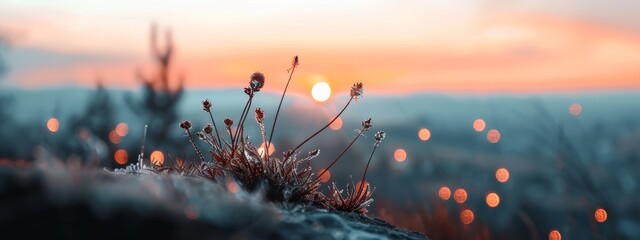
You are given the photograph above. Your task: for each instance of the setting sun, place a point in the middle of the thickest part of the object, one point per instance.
(321, 91)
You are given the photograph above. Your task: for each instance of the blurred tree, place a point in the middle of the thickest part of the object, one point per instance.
(93, 127)
(5, 151)
(158, 106)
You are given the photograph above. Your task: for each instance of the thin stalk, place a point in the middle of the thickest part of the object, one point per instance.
(362, 183)
(273, 127)
(339, 156)
(244, 111)
(322, 129)
(194, 145)
(215, 128)
(141, 155)
(243, 117)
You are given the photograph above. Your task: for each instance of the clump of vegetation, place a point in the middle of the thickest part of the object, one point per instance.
(287, 180)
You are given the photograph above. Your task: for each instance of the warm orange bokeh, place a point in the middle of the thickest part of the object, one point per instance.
(460, 195)
(232, 186)
(555, 235)
(400, 155)
(424, 134)
(191, 212)
(479, 125)
(466, 216)
(272, 149)
(121, 156)
(444, 193)
(325, 176)
(53, 125)
(502, 175)
(359, 184)
(575, 109)
(336, 125)
(492, 200)
(114, 138)
(122, 129)
(157, 158)
(493, 136)
(600, 215)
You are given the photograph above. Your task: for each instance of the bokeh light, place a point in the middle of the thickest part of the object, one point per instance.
(191, 212)
(479, 125)
(575, 109)
(122, 129)
(600, 215)
(366, 184)
(424, 134)
(325, 176)
(121, 156)
(272, 149)
(444, 193)
(493, 136)
(555, 235)
(502, 175)
(157, 158)
(400, 155)
(53, 125)
(493, 200)
(466, 216)
(321, 91)
(460, 195)
(232, 186)
(114, 138)
(336, 125)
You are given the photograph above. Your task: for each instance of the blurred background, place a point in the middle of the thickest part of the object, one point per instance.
(504, 119)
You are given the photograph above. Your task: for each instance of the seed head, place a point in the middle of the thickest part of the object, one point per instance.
(357, 90)
(259, 115)
(208, 129)
(379, 136)
(228, 122)
(314, 153)
(294, 64)
(185, 124)
(257, 81)
(366, 124)
(206, 105)
(201, 135)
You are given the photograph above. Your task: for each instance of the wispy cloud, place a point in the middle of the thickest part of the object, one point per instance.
(468, 46)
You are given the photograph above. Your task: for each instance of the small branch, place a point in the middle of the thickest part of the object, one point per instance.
(322, 129)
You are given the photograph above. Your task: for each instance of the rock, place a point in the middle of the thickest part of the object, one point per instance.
(52, 201)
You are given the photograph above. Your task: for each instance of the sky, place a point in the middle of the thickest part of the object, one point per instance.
(466, 46)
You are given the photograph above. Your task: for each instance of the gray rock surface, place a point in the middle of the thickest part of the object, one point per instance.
(51, 200)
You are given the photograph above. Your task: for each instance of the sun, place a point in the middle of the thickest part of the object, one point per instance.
(321, 91)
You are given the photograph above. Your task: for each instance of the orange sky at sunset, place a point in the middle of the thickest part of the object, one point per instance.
(436, 46)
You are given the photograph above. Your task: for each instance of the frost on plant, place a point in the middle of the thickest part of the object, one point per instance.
(287, 179)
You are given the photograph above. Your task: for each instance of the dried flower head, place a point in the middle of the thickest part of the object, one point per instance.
(228, 122)
(206, 105)
(259, 115)
(185, 124)
(257, 81)
(314, 153)
(357, 90)
(201, 136)
(366, 124)
(379, 136)
(208, 129)
(294, 63)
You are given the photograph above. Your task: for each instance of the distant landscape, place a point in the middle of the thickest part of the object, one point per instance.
(562, 164)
